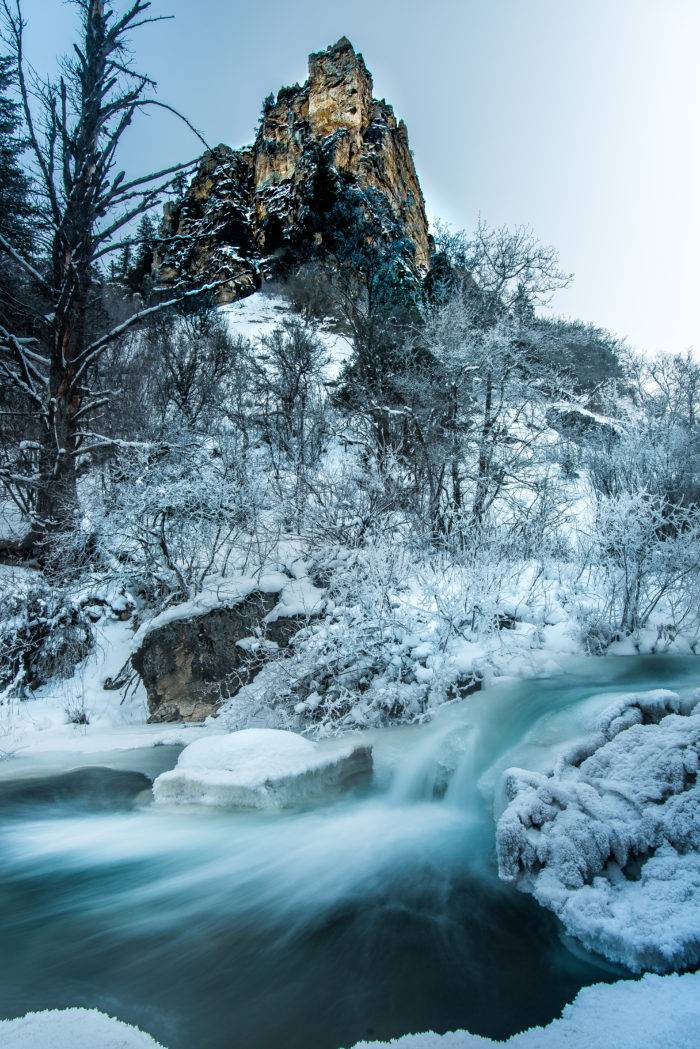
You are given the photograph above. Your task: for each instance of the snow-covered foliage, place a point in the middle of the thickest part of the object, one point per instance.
(640, 551)
(175, 515)
(610, 840)
(400, 635)
(44, 631)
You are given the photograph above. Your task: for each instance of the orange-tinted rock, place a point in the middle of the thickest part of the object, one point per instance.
(241, 204)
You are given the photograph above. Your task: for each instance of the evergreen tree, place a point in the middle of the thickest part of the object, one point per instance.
(15, 206)
(139, 273)
(179, 185)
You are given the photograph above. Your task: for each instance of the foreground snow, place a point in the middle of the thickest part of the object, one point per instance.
(656, 1012)
(72, 1029)
(261, 768)
(610, 841)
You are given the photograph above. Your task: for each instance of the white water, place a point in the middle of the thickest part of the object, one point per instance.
(377, 913)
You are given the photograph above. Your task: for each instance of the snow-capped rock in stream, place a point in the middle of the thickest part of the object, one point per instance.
(261, 768)
(610, 841)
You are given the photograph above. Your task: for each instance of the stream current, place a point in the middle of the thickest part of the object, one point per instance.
(364, 918)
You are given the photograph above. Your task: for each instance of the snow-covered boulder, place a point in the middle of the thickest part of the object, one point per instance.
(194, 656)
(72, 1029)
(262, 768)
(610, 841)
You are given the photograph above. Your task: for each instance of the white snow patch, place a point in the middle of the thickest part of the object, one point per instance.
(260, 768)
(40, 726)
(258, 315)
(217, 592)
(72, 1029)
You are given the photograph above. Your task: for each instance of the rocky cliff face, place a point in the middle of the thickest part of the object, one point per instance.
(244, 207)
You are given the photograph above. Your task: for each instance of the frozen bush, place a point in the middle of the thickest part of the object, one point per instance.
(44, 633)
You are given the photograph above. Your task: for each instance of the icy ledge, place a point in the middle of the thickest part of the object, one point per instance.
(656, 1012)
(261, 768)
(72, 1029)
(610, 841)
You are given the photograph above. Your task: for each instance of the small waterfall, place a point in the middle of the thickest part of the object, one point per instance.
(416, 778)
(439, 767)
(461, 790)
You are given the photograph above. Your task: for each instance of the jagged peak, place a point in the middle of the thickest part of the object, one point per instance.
(253, 199)
(343, 44)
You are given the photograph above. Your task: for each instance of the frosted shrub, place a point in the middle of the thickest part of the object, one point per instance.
(641, 562)
(174, 516)
(348, 506)
(464, 591)
(44, 633)
(356, 665)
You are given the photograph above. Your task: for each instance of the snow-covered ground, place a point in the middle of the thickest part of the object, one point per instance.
(72, 1029)
(42, 725)
(258, 315)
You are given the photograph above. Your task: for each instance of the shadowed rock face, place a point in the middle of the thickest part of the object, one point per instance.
(190, 666)
(243, 204)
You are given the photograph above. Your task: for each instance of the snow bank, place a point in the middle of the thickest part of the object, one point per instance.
(261, 768)
(610, 841)
(656, 1012)
(72, 1029)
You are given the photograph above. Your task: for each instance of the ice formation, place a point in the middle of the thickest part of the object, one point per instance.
(610, 840)
(261, 768)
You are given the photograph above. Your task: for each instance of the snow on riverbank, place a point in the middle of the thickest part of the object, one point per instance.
(656, 1012)
(72, 1029)
(50, 721)
(297, 597)
(610, 841)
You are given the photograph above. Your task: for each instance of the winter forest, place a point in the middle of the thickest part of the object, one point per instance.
(349, 594)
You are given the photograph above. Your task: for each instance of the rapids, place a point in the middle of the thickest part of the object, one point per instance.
(366, 917)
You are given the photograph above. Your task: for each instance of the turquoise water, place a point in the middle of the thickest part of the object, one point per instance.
(367, 917)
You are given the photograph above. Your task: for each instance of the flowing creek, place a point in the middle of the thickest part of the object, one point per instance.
(368, 917)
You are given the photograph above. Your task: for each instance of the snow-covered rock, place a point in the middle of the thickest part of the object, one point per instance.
(610, 841)
(656, 1012)
(261, 768)
(72, 1029)
(198, 653)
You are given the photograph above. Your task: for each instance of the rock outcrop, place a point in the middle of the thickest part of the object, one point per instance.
(245, 207)
(194, 656)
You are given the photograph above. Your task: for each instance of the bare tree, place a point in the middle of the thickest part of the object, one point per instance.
(74, 126)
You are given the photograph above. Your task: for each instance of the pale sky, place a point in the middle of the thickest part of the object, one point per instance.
(580, 118)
